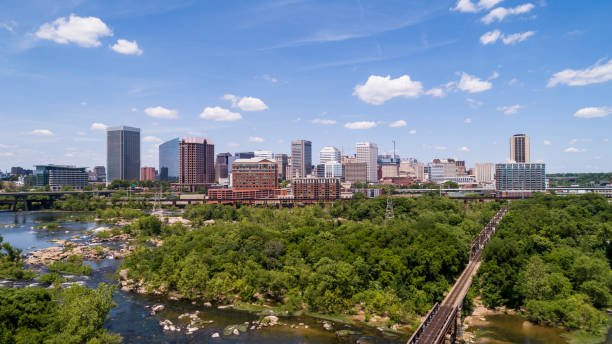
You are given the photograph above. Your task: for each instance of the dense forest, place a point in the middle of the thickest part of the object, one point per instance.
(339, 258)
(551, 257)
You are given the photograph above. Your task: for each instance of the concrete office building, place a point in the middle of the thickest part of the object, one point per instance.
(520, 177)
(99, 173)
(301, 158)
(413, 169)
(328, 154)
(244, 155)
(169, 160)
(196, 163)
(519, 148)
(484, 172)
(354, 171)
(122, 153)
(223, 166)
(282, 160)
(148, 173)
(368, 152)
(254, 173)
(57, 176)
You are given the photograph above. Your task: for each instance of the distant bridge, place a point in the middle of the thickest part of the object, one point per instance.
(12, 198)
(444, 318)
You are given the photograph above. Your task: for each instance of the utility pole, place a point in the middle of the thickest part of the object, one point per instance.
(389, 212)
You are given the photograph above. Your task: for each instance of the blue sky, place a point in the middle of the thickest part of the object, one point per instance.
(441, 78)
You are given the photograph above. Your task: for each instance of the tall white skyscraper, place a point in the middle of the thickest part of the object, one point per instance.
(368, 152)
(485, 172)
(328, 154)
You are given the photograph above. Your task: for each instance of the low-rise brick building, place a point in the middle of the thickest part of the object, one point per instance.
(323, 189)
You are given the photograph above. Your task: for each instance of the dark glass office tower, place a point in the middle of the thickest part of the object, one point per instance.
(122, 153)
(169, 160)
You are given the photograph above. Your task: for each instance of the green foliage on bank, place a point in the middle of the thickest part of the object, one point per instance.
(11, 263)
(69, 316)
(335, 259)
(73, 266)
(551, 255)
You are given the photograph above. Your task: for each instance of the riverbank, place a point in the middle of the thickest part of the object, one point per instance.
(502, 325)
(132, 317)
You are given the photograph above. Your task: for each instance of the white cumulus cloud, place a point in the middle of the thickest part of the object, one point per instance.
(594, 74)
(493, 36)
(509, 110)
(436, 92)
(473, 84)
(360, 125)
(246, 103)
(256, 139)
(219, 114)
(397, 124)
(98, 126)
(499, 13)
(490, 37)
(468, 6)
(574, 150)
(323, 121)
(378, 89)
(161, 112)
(548, 143)
(41, 132)
(517, 37)
(467, 120)
(593, 112)
(412, 132)
(83, 31)
(463, 149)
(126, 47)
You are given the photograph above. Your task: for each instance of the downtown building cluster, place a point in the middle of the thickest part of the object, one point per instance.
(190, 164)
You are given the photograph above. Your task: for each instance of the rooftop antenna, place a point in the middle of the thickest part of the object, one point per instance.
(393, 149)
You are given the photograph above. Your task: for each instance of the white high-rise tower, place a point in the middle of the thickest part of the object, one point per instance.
(368, 152)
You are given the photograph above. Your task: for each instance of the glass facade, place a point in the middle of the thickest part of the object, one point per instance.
(169, 160)
(520, 177)
(57, 176)
(123, 153)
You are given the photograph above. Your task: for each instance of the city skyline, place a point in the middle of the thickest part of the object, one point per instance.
(441, 78)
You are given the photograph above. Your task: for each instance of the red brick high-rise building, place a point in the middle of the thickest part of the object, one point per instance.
(196, 163)
(254, 173)
(147, 173)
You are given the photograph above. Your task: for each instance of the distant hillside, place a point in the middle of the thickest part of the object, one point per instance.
(582, 179)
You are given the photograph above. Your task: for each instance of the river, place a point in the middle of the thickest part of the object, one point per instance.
(132, 318)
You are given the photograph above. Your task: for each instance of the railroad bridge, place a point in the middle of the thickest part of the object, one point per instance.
(44, 197)
(444, 319)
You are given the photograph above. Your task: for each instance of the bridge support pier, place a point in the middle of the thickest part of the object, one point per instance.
(14, 206)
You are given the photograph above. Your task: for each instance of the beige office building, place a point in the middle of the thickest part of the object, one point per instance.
(519, 148)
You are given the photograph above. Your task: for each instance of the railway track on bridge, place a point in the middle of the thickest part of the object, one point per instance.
(441, 318)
